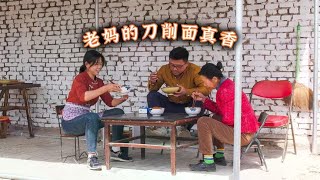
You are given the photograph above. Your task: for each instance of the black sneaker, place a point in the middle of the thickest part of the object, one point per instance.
(93, 163)
(202, 166)
(118, 156)
(219, 161)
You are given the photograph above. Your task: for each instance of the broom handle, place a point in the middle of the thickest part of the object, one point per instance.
(298, 52)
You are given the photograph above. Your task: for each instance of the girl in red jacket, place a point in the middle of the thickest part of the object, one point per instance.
(219, 129)
(85, 91)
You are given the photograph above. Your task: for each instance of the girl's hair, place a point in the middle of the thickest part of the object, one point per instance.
(91, 57)
(210, 70)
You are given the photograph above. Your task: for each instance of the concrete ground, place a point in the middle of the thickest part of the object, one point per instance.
(39, 158)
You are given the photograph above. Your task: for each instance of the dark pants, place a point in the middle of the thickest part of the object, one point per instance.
(155, 98)
(89, 124)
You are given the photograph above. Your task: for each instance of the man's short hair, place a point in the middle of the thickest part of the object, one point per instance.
(179, 53)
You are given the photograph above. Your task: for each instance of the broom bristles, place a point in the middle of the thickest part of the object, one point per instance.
(302, 97)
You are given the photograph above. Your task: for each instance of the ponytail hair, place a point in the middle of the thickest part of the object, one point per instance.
(210, 70)
(91, 57)
(82, 68)
(219, 66)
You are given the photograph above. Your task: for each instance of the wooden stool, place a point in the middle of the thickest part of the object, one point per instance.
(4, 121)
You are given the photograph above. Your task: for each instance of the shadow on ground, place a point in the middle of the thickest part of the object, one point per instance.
(46, 147)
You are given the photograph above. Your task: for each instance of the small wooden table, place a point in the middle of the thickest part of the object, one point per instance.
(134, 119)
(23, 87)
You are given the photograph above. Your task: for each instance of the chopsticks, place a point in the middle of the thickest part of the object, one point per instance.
(194, 100)
(112, 82)
(193, 103)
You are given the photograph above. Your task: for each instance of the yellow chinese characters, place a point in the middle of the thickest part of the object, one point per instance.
(148, 28)
(208, 35)
(169, 32)
(91, 39)
(189, 32)
(228, 38)
(129, 32)
(110, 34)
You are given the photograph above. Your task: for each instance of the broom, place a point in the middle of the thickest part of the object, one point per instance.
(302, 96)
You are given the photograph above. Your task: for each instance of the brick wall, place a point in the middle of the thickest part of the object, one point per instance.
(41, 41)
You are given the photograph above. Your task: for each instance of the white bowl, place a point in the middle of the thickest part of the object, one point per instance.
(125, 89)
(192, 111)
(156, 111)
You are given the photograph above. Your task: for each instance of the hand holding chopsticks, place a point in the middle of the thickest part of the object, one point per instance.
(112, 87)
(197, 96)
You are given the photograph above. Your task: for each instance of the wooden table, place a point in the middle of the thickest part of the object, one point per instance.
(142, 120)
(23, 87)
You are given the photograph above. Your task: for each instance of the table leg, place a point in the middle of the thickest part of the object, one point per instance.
(143, 141)
(26, 105)
(173, 138)
(5, 102)
(1, 94)
(107, 138)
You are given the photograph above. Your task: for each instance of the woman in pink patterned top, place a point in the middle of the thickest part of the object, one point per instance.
(219, 129)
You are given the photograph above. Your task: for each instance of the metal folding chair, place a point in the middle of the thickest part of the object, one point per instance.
(77, 155)
(255, 143)
(273, 90)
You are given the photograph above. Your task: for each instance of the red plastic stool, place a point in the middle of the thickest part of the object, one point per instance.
(4, 121)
